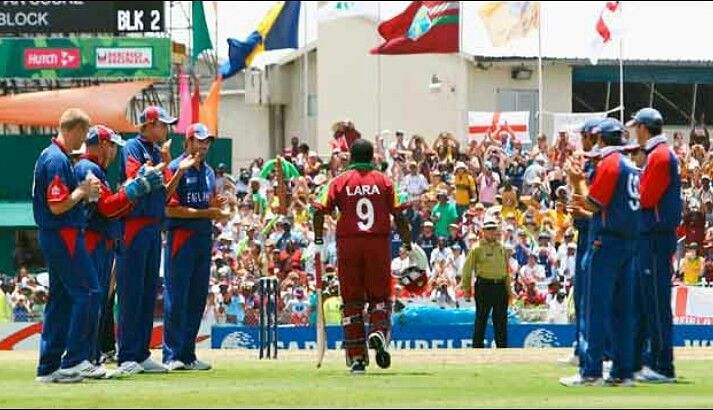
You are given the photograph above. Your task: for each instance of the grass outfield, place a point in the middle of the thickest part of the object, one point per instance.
(512, 378)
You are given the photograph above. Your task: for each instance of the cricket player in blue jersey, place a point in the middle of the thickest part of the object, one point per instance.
(58, 205)
(187, 258)
(661, 214)
(138, 266)
(613, 199)
(103, 228)
(581, 223)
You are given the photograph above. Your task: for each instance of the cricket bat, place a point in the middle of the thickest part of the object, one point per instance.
(321, 329)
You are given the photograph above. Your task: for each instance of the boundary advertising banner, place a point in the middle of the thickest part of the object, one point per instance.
(83, 57)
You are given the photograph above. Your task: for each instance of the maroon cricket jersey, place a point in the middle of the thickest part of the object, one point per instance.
(366, 199)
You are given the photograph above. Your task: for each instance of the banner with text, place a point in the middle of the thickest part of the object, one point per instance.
(75, 57)
(116, 17)
(435, 336)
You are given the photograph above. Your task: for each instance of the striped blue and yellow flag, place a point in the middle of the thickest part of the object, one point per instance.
(277, 30)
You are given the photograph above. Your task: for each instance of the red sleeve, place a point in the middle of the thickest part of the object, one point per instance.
(113, 205)
(173, 200)
(132, 167)
(57, 191)
(656, 178)
(605, 180)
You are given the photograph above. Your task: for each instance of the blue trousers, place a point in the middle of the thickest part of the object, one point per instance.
(655, 339)
(137, 286)
(579, 278)
(103, 260)
(609, 308)
(71, 313)
(187, 273)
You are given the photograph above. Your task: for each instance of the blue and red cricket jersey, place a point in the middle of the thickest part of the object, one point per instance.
(103, 216)
(54, 181)
(195, 190)
(660, 188)
(615, 190)
(134, 154)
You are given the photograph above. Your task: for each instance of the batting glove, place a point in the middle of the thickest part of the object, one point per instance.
(136, 188)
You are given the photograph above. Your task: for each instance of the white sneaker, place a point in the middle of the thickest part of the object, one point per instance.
(579, 381)
(152, 367)
(647, 375)
(569, 361)
(129, 368)
(199, 366)
(116, 374)
(174, 365)
(61, 376)
(88, 370)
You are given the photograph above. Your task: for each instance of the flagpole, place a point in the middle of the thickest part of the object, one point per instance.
(462, 88)
(305, 79)
(540, 96)
(378, 76)
(215, 11)
(621, 77)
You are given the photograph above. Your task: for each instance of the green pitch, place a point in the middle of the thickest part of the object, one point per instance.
(516, 378)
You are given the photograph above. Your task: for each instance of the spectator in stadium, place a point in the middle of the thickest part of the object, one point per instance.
(414, 183)
(692, 266)
(532, 271)
(441, 252)
(427, 240)
(464, 188)
(401, 262)
(444, 214)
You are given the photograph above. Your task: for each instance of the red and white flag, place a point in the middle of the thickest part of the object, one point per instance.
(498, 124)
(608, 26)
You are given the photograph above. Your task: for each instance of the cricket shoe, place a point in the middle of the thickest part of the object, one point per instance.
(569, 361)
(358, 367)
(579, 381)
(647, 375)
(198, 366)
(129, 368)
(378, 343)
(88, 370)
(152, 367)
(108, 357)
(61, 376)
(612, 382)
(175, 365)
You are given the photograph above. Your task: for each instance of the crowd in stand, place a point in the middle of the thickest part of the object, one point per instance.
(450, 188)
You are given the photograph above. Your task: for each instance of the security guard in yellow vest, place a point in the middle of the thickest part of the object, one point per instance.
(492, 289)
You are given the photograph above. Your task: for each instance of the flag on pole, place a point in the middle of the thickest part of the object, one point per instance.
(277, 30)
(506, 21)
(211, 106)
(607, 27)
(424, 27)
(334, 10)
(186, 115)
(499, 124)
(201, 37)
(196, 103)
